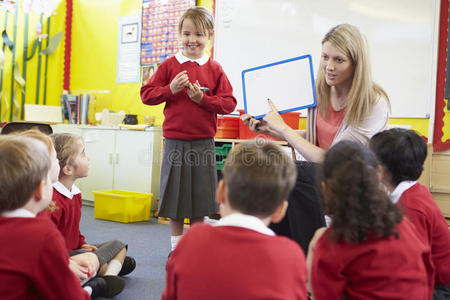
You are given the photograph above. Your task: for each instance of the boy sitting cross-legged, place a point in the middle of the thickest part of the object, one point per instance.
(240, 257)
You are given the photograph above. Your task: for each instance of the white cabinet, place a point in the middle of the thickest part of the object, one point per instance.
(120, 159)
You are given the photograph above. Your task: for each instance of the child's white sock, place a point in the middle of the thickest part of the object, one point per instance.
(113, 268)
(174, 239)
(88, 289)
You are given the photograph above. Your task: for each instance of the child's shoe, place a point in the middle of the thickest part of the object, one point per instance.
(98, 286)
(129, 264)
(114, 285)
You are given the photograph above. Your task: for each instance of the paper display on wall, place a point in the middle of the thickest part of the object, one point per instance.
(129, 48)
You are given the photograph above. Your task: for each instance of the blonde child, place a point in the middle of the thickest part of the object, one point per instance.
(239, 257)
(74, 164)
(33, 260)
(195, 89)
(370, 251)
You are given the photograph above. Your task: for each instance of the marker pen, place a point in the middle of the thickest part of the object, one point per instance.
(204, 89)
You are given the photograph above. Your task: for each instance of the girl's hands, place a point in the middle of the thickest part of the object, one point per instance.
(179, 82)
(194, 92)
(89, 247)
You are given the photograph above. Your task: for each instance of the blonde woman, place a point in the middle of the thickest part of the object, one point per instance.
(350, 106)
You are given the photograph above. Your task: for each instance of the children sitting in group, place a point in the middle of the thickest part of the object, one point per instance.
(402, 154)
(74, 164)
(240, 257)
(33, 259)
(370, 251)
(83, 265)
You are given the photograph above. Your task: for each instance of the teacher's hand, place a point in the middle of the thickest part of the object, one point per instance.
(273, 119)
(259, 126)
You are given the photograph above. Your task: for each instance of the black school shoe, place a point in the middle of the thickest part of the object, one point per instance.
(98, 286)
(129, 264)
(114, 285)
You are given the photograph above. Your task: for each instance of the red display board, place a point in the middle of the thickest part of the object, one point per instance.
(442, 81)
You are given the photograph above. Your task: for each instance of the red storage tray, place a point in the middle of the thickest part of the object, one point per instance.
(227, 127)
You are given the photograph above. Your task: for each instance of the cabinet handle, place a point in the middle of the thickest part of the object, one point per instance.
(117, 158)
(110, 159)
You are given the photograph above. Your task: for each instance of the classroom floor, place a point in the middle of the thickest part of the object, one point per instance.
(148, 242)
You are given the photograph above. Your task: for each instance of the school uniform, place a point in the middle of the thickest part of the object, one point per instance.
(305, 213)
(33, 260)
(378, 268)
(238, 258)
(420, 208)
(188, 174)
(67, 218)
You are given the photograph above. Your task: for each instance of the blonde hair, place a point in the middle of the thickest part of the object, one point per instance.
(25, 163)
(202, 19)
(65, 146)
(39, 135)
(258, 175)
(47, 140)
(363, 93)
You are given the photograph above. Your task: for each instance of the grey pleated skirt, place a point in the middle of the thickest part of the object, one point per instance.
(188, 179)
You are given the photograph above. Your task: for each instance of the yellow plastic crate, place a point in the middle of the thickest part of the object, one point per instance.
(122, 206)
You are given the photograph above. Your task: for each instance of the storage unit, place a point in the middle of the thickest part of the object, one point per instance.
(227, 127)
(121, 159)
(122, 206)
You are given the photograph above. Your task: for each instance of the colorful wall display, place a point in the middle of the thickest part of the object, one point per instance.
(159, 37)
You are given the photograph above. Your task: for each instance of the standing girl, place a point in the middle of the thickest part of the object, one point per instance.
(369, 251)
(195, 89)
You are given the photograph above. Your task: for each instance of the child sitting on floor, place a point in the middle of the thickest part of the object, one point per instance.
(402, 154)
(33, 259)
(240, 257)
(369, 251)
(74, 164)
(83, 265)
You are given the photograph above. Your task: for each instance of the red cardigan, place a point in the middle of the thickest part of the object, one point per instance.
(227, 262)
(185, 119)
(67, 218)
(420, 208)
(378, 268)
(34, 263)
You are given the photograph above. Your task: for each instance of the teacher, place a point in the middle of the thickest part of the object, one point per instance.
(350, 106)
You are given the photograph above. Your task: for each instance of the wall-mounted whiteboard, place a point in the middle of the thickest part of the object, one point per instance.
(258, 85)
(402, 37)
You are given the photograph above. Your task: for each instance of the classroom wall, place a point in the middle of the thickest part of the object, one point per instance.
(16, 25)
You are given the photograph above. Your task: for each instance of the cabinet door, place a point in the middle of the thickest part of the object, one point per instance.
(133, 167)
(99, 145)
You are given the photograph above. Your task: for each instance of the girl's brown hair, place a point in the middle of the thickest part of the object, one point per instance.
(353, 196)
(364, 93)
(65, 146)
(202, 19)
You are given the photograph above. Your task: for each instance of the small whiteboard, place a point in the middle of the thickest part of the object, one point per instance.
(288, 83)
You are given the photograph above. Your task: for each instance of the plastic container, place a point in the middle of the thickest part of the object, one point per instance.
(122, 206)
(227, 127)
(223, 150)
(219, 164)
(291, 118)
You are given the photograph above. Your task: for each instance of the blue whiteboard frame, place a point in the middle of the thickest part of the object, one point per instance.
(308, 57)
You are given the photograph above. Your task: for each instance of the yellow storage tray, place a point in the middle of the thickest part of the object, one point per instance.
(122, 206)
